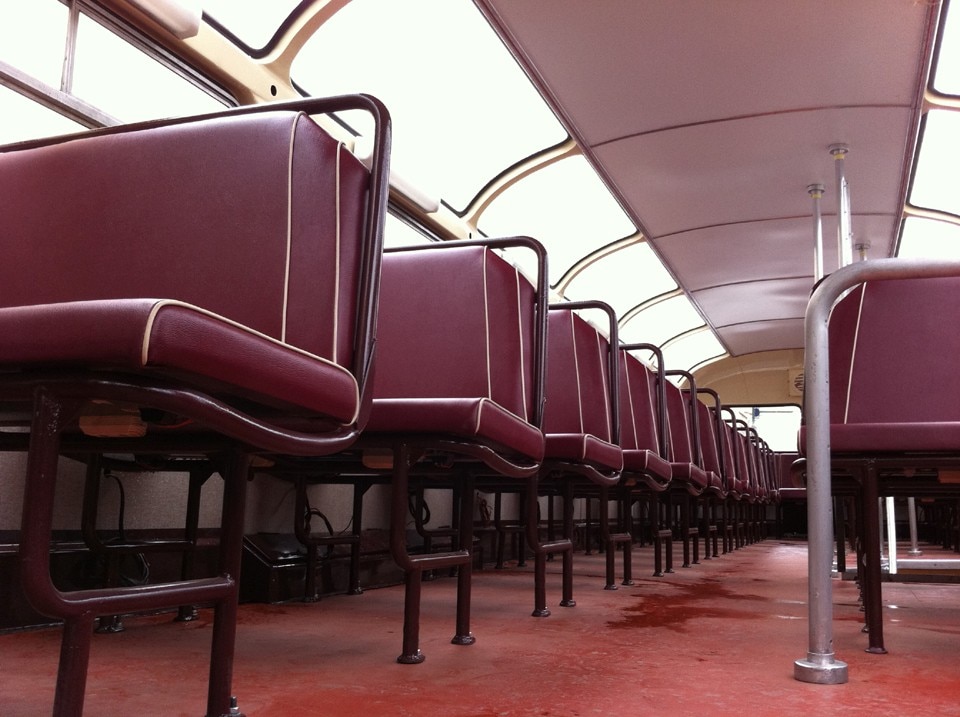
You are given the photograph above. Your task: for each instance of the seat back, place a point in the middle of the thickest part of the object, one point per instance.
(682, 448)
(457, 321)
(638, 405)
(747, 459)
(892, 353)
(580, 395)
(709, 440)
(731, 458)
(260, 218)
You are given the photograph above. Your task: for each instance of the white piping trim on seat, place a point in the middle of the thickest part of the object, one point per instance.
(853, 354)
(633, 416)
(286, 264)
(148, 331)
(576, 366)
(523, 377)
(486, 322)
(603, 383)
(289, 248)
(336, 273)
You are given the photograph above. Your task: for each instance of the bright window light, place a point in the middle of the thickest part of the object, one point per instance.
(937, 175)
(399, 233)
(125, 83)
(660, 322)
(565, 206)
(462, 110)
(623, 278)
(929, 239)
(777, 425)
(29, 39)
(691, 350)
(25, 119)
(947, 76)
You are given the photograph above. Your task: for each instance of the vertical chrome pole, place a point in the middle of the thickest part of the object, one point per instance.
(891, 535)
(816, 193)
(912, 515)
(820, 665)
(844, 229)
(880, 515)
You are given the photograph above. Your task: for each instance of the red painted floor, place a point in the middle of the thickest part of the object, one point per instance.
(719, 638)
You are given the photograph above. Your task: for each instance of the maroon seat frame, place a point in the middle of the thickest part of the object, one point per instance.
(581, 426)
(644, 438)
(893, 396)
(461, 395)
(185, 266)
(458, 397)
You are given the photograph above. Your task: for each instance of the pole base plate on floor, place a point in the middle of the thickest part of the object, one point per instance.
(820, 670)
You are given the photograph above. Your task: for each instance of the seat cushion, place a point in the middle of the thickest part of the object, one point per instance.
(583, 448)
(647, 462)
(171, 338)
(473, 418)
(690, 474)
(936, 436)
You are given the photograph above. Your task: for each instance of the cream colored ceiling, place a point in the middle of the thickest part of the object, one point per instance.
(708, 119)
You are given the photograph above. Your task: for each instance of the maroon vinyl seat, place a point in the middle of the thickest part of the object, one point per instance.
(459, 331)
(644, 441)
(894, 397)
(458, 393)
(684, 461)
(182, 343)
(691, 479)
(792, 485)
(746, 464)
(736, 483)
(218, 273)
(581, 428)
(642, 438)
(764, 490)
(581, 421)
(712, 447)
(893, 386)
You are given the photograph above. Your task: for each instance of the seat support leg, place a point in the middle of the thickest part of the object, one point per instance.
(79, 608)
(871, 575)
(414, 566)
(541, 550)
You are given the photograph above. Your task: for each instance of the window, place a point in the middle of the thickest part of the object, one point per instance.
(32, 38)
(26, 119)
(470, 114)
(777, 425)
(563, 205)
(126, 83)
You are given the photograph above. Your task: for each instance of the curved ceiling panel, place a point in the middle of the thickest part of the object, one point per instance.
(755, 301)
(710, 119)
(764, 250)
(666, 64)
(758, 167)
(762, 336)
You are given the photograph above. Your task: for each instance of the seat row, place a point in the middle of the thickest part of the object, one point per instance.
(213, 292)
(894, 421)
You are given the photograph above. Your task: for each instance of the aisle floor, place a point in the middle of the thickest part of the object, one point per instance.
(718, 638)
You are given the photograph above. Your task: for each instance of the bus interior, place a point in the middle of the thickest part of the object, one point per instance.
(326, 323)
